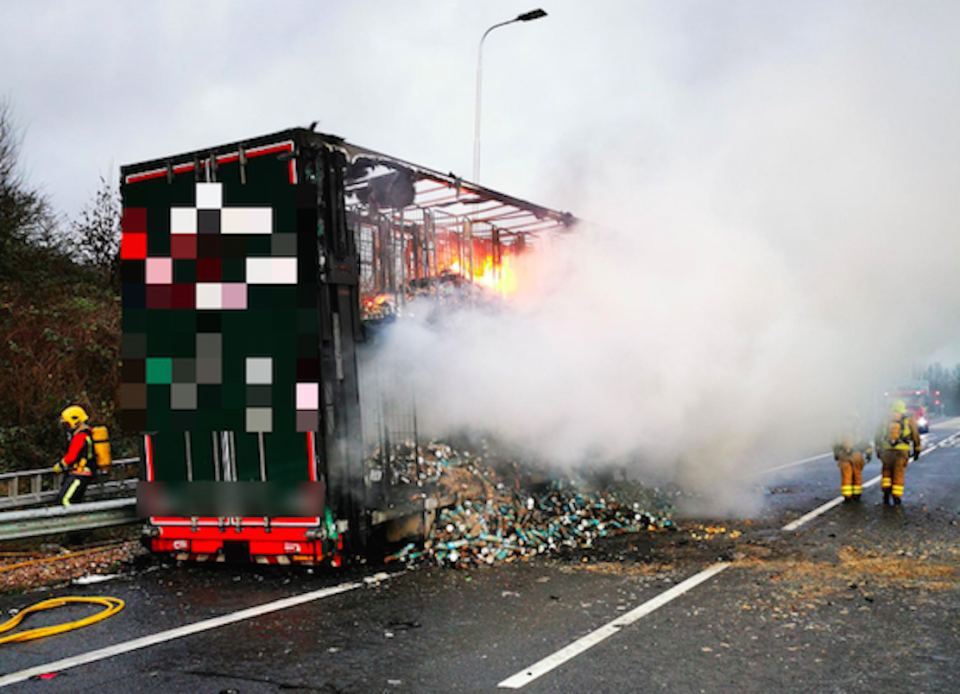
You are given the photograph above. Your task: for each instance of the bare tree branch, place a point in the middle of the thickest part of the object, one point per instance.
(97, 232)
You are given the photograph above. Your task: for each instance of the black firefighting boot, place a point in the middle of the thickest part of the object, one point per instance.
(856, 497)
(886, 497)
(896, 501)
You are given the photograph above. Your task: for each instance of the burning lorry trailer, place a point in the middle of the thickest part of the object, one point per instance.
(252, 273)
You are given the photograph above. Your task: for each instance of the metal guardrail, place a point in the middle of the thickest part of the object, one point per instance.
(36, 487)
(15, 525)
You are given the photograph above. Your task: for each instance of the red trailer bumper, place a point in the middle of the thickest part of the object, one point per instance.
(277, 543)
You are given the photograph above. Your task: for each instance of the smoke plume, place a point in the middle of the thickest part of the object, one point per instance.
(774, 252)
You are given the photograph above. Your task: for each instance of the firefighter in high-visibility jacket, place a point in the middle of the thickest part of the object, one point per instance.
(895, 440)
(851, 451)
(79, 460)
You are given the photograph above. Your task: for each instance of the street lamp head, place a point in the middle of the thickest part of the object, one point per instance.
(530, 16)
(525, 17)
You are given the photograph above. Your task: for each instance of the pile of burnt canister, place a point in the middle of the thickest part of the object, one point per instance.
(493, 521)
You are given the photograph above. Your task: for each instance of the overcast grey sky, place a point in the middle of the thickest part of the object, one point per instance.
(99, 84)
(822, 129)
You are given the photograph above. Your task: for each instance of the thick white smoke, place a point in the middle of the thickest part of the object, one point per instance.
(789, 251)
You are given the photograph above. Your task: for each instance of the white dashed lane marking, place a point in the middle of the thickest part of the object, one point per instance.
(555, 660)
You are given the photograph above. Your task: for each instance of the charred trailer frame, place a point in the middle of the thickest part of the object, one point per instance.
(248, 275)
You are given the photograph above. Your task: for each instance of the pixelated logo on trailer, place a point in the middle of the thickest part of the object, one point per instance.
(220, 319)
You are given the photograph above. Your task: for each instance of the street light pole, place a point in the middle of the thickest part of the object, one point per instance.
(525, 17)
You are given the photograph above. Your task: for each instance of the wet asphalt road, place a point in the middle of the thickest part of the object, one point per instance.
(862, 598)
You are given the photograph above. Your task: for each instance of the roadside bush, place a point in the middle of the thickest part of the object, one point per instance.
(59, 313)
(61, 343)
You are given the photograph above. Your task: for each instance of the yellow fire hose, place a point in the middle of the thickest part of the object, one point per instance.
(113, 606)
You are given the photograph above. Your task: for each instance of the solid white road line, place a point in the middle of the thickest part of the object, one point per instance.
(802, 520)
(949, 424)
(135, 644)
(793, 464)
(528, 675)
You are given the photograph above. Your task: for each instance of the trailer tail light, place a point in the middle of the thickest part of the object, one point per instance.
(169, 545)
(303, 557)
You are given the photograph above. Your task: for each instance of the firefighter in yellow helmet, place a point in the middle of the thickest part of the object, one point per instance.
(79, 460)
(851, 451)
(896, 437)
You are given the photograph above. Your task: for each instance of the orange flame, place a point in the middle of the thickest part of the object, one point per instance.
(502, 280)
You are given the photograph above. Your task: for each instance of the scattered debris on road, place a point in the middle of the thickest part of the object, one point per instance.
(853, 579)
(496, 521)
(57, 566)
